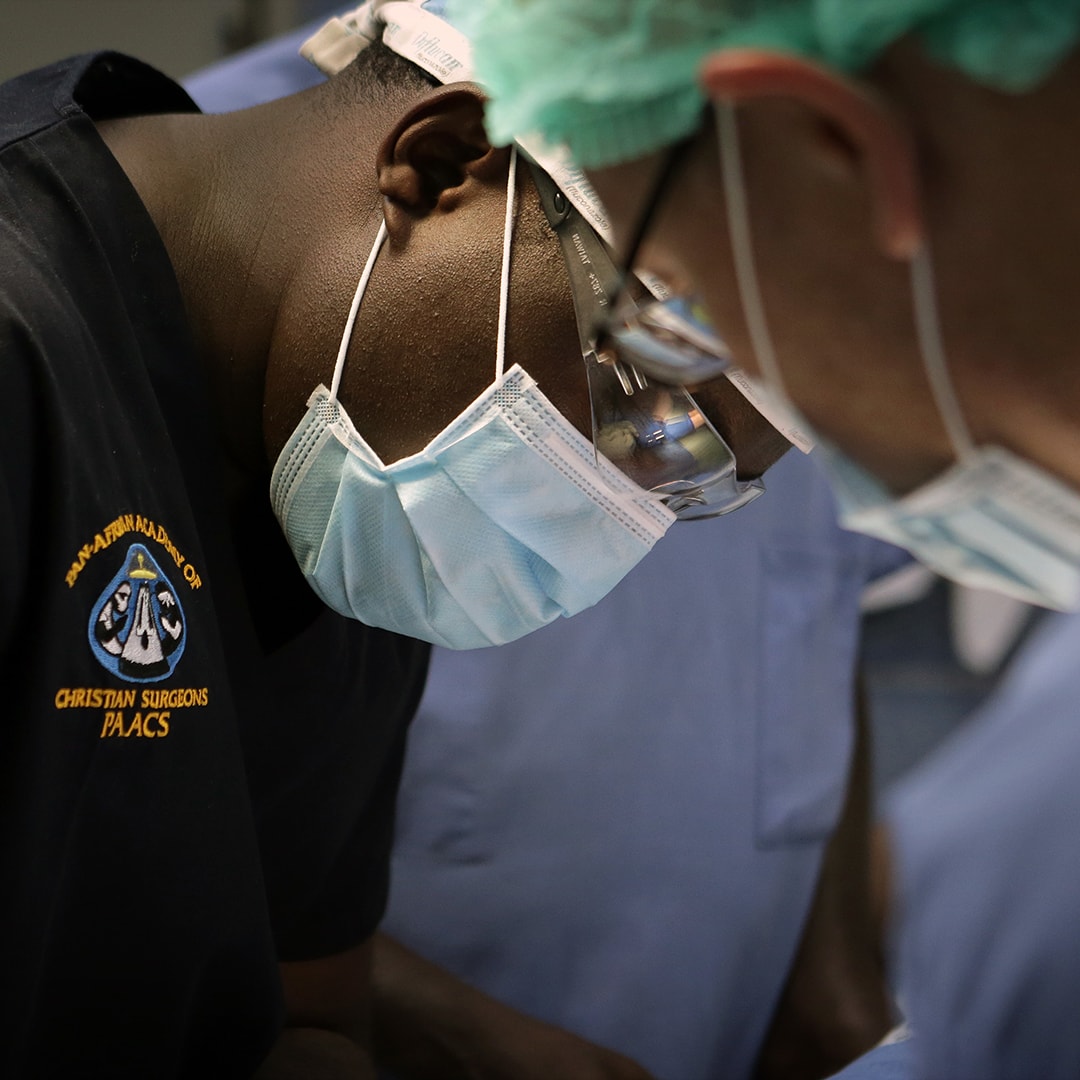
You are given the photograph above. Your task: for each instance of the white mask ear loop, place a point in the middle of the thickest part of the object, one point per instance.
(350, 322)
(504, 286)
(504, 278)
(932, 351)
(742, 251)
(924, 302)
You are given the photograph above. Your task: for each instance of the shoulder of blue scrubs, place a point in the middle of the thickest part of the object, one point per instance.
(256, 75)
(985, 853)
(894, 1061)
(678, 762)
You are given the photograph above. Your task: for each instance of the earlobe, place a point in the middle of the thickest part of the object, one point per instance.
(431, 152)
(855, 124)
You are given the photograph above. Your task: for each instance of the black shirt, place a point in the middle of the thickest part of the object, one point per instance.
(184, 798)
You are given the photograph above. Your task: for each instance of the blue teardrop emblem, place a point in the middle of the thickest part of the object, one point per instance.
(137, 628)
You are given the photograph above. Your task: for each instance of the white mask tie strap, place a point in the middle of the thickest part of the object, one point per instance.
(924, 296)
(350, 322)
(932, 351)
(504, 279)
(742, 250)
(504, 285)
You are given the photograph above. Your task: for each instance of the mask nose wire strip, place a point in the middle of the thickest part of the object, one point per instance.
(504, 279)
(932, 348)
(346, 337)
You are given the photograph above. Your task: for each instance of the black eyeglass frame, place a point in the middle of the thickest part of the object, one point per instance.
(705, 483)
(662, 336)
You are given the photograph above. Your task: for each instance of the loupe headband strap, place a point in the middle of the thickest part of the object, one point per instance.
(589, 266)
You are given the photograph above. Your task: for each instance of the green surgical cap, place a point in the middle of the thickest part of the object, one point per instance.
(615, 79)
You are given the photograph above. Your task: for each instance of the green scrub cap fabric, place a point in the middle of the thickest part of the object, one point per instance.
(615, 79)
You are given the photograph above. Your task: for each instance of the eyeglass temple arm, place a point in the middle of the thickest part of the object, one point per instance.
(595, 280)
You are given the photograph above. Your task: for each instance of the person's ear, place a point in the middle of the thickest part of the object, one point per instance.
(858, 132)
(429, 157)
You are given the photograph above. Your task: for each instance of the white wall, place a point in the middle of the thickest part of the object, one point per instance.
(176, 36)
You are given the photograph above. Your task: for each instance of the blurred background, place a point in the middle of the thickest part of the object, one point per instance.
(177, 36)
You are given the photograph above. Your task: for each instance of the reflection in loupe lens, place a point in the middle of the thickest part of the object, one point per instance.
(671, 340)
(654, 433)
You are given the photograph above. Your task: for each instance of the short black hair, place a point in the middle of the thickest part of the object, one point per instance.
(379, 72)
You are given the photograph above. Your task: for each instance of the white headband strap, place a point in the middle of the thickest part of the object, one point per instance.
(431, 43)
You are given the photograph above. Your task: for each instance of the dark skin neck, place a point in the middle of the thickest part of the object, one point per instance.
(231, 286)
(242, 224)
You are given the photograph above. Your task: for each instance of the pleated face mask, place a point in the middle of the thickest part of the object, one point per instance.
(506, 520)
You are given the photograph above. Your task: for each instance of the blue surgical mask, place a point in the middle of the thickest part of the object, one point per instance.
(992, 520)
(503, 522)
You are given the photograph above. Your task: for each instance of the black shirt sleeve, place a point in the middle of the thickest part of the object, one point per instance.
(324, 772)
(323, 728)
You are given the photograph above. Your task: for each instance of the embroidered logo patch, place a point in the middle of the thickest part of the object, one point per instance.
(137, 627)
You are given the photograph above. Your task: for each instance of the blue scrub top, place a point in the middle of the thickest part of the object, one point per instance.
(987, 857)
(616, 824)
(896, 1061)
(986, 928)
